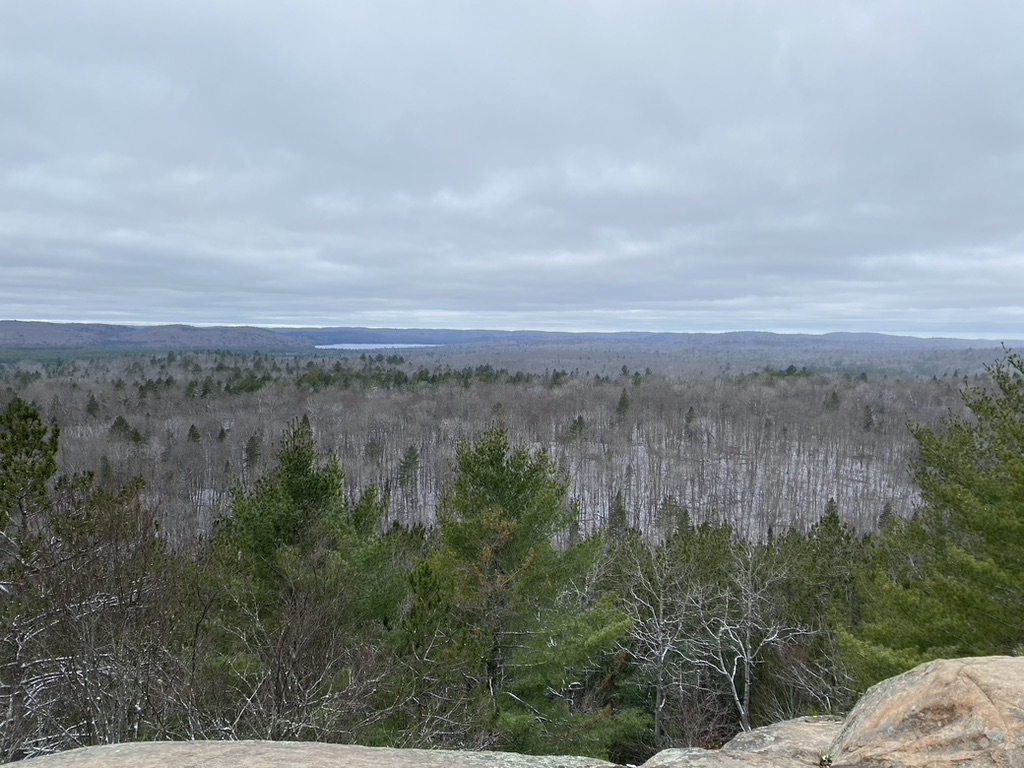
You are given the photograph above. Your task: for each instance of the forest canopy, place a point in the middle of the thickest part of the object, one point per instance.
(505, 616)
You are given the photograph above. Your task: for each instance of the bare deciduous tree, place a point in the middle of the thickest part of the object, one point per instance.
(736, 625)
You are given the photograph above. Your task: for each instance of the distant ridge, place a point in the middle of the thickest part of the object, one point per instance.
(16, 334)
(29, 335)
(761, 339)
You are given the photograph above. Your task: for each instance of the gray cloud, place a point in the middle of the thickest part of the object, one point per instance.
(707, 165)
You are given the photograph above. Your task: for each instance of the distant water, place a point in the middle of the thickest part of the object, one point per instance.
(374, 346)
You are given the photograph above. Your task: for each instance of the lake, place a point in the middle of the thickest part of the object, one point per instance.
(374, 346)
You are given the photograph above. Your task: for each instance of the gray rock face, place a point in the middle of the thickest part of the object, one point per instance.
(275, 754)
(960, 712)
(796, 743)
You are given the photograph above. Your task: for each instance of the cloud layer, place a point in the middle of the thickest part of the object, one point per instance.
(785, 165)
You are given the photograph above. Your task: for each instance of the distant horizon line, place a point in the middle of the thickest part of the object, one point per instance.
(960, 336)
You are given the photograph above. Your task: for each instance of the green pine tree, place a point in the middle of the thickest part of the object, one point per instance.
(28, 463)
(502, 628)
(304, 589)
(623, 405)
(498, 520)
(950, 582)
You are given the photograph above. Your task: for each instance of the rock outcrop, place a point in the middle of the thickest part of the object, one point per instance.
(796, 743)
(275, 754)
(961, 712)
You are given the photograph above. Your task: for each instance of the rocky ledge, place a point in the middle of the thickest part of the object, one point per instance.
(276, 754)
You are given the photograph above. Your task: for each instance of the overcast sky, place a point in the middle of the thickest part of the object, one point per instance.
(681, 165)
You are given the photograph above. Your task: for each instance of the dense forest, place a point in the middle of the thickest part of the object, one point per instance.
(761, 450)
(365, 549)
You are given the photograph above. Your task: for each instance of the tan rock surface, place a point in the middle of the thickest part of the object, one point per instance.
(796, 743)
(278, 754)
(961, 712)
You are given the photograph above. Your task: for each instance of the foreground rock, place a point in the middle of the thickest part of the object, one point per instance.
(796, 743)
(274, 754)
(961, 712)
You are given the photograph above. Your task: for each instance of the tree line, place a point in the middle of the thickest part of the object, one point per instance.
(508, 622)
